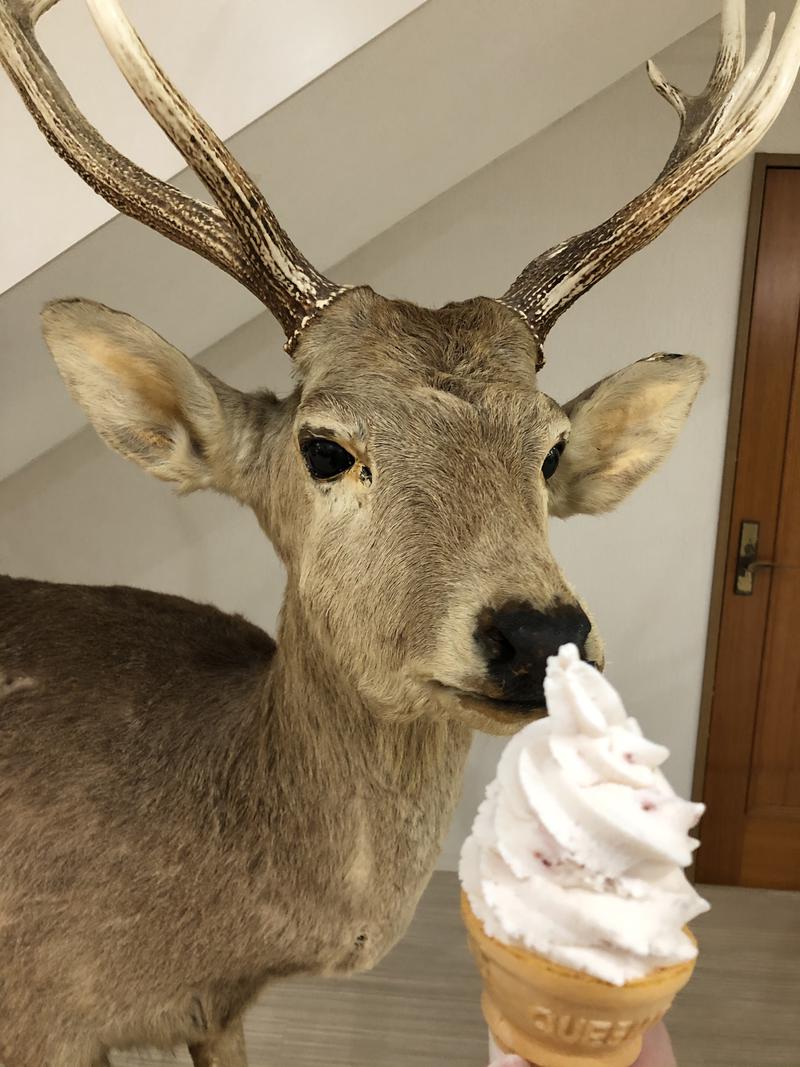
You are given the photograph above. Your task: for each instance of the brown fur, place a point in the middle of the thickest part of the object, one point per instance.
(188, 811)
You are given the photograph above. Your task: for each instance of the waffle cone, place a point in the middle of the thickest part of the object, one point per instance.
(553, 1016)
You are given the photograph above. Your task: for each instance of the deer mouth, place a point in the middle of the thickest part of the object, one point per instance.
(533, 707)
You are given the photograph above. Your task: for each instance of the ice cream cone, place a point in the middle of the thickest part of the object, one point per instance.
(553, 1016)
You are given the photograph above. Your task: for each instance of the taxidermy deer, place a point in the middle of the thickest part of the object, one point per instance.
(188, 810)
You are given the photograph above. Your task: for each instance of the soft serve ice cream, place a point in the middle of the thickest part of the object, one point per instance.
(577, 851)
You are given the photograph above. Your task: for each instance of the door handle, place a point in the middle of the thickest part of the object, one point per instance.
(747, 563)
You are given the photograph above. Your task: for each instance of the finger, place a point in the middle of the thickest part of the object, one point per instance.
(656, 1049)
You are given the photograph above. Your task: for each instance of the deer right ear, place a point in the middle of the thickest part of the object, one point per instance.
(622, 428)
(144, 397)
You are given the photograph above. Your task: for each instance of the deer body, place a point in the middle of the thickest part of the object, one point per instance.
(211, 815)
(187, 810)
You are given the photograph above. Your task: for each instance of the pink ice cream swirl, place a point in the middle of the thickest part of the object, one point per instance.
(578, 849)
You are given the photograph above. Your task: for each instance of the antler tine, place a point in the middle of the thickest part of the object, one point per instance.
(754, 68)
(727, 66)
(732, 45)
(702, 115)
(286, 284)
(36, 8)
(298, 290)
(718, 128)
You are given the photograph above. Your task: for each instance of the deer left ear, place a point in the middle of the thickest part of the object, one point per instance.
(622, 428)
(144, 397)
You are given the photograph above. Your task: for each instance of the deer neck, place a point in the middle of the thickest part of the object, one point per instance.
(315, 702)
(382, 791)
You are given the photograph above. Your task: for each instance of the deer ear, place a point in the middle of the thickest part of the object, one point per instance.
(622, 428)
(144, 397)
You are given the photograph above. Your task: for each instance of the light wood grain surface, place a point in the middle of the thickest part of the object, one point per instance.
(420, 1007)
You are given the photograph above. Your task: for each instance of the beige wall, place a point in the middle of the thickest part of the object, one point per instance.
(81, 514)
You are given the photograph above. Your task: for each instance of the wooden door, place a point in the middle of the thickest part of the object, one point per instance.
(751, 831)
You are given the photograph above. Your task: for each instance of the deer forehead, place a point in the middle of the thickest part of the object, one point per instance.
(374, 368)
(477, 340)
(373, 414)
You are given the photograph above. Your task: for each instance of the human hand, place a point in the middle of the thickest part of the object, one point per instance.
(656, 1049)
(656, 1052)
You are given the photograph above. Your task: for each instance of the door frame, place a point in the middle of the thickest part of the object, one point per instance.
(762, 162)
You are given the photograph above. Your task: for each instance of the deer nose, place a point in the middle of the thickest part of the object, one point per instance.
(516, 640)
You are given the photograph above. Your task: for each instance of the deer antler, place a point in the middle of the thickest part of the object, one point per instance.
(243, 238)
(718, 128)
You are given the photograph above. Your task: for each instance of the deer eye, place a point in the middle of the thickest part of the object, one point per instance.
(551, 461)
(325, 459)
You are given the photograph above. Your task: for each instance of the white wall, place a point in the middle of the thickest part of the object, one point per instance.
(81, 514)
(195, 43)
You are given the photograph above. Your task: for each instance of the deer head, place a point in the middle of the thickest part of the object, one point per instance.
(408, 480)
